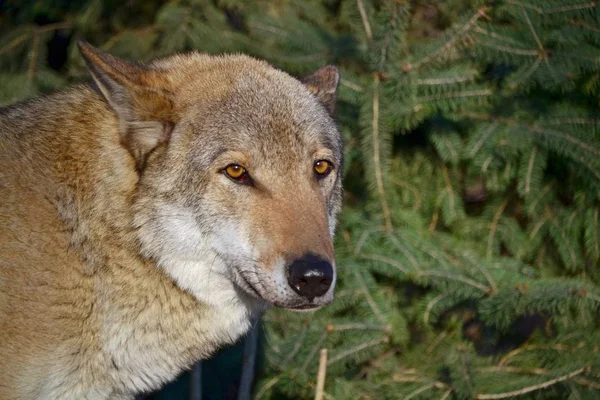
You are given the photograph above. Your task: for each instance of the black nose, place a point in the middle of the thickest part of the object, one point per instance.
(310, 276)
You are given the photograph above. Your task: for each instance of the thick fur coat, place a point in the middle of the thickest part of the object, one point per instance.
(128, 250)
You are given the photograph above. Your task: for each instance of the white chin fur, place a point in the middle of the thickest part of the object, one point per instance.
(180, 248)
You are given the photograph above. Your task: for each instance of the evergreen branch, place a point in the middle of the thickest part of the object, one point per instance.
(269, 28)
(33, 59)
(419, 391)
(388, 36)
(376, 364)
(542, 51)
(266, 387)
(572, 255)
(141, 31)
(534, 33)
(370, 301)
(537, 371)
(584, 26)
(538, 226)
(588, 166)
(530, 169)
(356, 326)
(439, 338)
(532, 388)
(486, 164)
(533, 204)
(351, 85)
(595, 230)
(434, 221)
(404, 251)
(14, 43)
(314, 350)
(364, 19)
(364, 236)
(456, 95)
(484, 271)
(387, 260)
(443, 81)
(555, 10)
(377, 158)
(402, 378)
(413, 190)
(296, 347)
(511, 354)
(424, 249)
(517, 370)
(432, 304)
(451, 42)
(449, 189)
(446, 394)
(462, 279)
(571, 219)
(305, 58)
(587, 383)
(328, 396)
(53, 27)
(528, 73)
(535, 129)
(495, 35)
(493, 227)
(583, 6)
(539, 10)
(512, 50)
(593, 297)
(356, 349)
(36, 31)
(577, 121)
(480, 142)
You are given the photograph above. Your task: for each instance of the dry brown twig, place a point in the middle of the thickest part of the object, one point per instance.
(320, 391)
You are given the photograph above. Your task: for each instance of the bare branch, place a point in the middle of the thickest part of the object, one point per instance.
(321, 375)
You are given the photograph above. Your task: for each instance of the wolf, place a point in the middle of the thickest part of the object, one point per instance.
(146, 218)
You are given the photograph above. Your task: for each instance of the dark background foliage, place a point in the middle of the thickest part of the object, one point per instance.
(469, 246)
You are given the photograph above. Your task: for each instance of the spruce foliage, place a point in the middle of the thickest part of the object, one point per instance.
(469, 248)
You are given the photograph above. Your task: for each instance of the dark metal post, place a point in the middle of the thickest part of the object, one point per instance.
(196, 381)
(248, 363)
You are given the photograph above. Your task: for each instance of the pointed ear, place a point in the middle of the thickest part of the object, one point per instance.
(323, 83)
(138, 96)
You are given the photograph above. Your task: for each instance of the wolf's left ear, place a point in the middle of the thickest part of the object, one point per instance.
(323, 83)
(138, 96)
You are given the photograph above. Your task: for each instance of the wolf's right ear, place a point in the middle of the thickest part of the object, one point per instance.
(138, 96)
(323, 83)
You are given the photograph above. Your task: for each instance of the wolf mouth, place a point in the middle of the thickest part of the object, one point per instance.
(249, 287)
(310, 306)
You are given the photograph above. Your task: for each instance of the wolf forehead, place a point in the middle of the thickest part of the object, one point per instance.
(244, 101)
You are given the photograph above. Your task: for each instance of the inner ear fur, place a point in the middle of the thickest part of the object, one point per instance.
(138, 96)
(323, 83)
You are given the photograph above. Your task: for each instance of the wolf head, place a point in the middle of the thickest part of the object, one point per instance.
(239, 173)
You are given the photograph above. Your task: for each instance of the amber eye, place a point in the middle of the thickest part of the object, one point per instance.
(237, 173)
(322, 168)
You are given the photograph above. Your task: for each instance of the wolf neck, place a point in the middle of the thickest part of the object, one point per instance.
(162, 329)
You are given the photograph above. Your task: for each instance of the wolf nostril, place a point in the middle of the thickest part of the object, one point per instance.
(310, 276)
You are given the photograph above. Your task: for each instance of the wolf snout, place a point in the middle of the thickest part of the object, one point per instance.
(310, 276)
